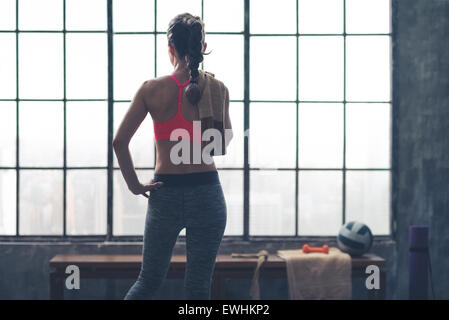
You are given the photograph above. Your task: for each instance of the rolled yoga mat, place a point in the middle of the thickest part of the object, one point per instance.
(418, 262)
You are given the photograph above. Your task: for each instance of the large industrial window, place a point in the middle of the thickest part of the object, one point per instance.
(309, 80)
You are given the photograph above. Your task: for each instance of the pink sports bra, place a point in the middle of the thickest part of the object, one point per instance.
(162, 130)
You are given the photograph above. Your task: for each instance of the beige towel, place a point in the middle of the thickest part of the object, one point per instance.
(318, 276)
(261, 256)
(212, 104)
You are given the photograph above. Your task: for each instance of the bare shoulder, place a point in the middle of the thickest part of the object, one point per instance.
(154, 90)
(156, 84)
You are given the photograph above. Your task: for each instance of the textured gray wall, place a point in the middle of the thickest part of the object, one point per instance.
(420, 169)
(421, 125)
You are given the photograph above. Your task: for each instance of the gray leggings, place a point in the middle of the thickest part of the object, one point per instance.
(194, 201)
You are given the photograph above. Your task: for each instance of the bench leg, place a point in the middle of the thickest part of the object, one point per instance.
(218, 290)
(383, 285)
(379, 294)
(56, 286)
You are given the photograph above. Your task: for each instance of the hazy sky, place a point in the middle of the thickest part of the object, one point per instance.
(310, 68)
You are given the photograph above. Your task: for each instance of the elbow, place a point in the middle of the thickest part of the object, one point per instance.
(117, 143)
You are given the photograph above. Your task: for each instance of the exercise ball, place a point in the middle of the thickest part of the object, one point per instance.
(354, 238)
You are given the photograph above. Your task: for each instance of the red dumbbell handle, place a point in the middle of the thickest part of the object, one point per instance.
(307, 249)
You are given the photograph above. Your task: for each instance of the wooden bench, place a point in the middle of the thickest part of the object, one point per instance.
(226, 267)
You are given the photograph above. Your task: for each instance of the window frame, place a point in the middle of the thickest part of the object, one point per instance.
(246, 168)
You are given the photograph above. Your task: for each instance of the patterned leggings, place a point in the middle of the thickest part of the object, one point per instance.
(194, 201)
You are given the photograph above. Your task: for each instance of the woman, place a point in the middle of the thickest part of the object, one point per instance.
(181, 195)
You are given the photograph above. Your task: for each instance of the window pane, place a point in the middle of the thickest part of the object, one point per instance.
(273, 75)
(321, 68)
(320, 202)
(129, 209)
(368, 135)
(234, 152)
(320, 135)
(230, 73)
(142, 143)
(133, 64)
(367, 16)
(272, 203)
(41, 205)
(224, 16)
(8, 134)
(320, 16)
(368, 199)
(232, 184)
(41, 66)
(272, 135)
(133, 15)
(41, 133)
(87, 66)
(368, 68)
(164, 66)
(87, 128)
(7, 202)
(86, 14)
(7, 15)
(86, 202)
(273, 17)
(40, 15)
(8, 66)
(167, 10)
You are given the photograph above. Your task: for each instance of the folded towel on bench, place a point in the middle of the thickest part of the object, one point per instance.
(314, 276)
(261, 256)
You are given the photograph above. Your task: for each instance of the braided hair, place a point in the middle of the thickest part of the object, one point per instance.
(186, 34)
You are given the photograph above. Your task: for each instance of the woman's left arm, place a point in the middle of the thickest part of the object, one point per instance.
(129, 125)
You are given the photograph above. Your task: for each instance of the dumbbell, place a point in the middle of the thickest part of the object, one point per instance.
(308, 249)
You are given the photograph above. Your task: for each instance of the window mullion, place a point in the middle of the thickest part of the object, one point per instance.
(17, 121)
(64, 180)
(246, 122)
(110, 121)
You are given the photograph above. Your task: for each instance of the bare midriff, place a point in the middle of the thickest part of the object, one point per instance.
(164, 163)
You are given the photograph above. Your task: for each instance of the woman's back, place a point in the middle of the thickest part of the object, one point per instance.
(170, 109)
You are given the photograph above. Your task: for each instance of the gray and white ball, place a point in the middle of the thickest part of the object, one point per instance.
(355, 238)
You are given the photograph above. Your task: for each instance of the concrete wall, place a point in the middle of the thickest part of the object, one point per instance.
(421, 122)
(420, 170)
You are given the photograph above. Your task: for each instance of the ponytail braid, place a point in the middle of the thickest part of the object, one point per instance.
(186, 33)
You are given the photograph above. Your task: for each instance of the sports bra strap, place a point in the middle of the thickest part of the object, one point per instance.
(180, 86)
(179, 83)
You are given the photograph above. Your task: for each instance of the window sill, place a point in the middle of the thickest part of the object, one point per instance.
(252, 242)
